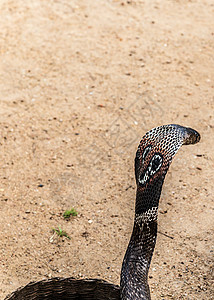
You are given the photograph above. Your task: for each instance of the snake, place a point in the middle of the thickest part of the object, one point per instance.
(153, 158)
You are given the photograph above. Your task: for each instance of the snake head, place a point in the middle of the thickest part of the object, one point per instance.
(157, 149)
(191, 136)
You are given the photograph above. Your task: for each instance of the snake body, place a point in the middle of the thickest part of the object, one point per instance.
(154, 155)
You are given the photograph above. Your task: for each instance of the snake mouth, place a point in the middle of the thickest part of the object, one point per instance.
(191, 136)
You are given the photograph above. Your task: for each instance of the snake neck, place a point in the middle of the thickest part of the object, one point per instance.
(136, 263)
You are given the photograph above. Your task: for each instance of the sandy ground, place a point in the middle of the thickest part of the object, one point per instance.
(81, 82)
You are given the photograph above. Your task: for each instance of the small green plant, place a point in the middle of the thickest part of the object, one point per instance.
(61, 232)
(71, 212)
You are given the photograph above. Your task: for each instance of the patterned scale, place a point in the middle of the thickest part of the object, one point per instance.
(154, 155)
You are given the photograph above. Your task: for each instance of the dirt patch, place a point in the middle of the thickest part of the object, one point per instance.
(81, 82)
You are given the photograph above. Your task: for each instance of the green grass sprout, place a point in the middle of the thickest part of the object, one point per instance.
(61, 232)
(71, 212)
